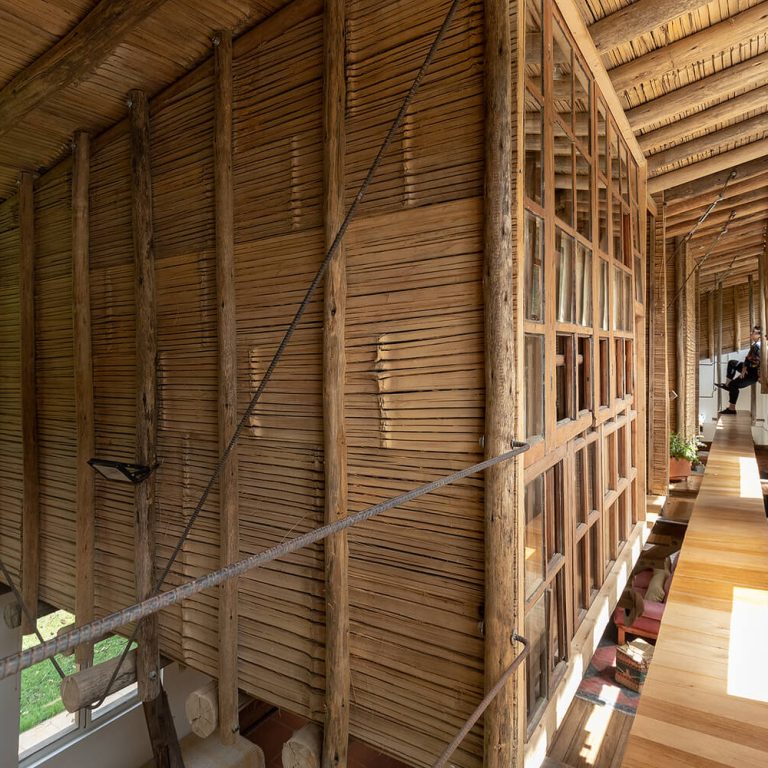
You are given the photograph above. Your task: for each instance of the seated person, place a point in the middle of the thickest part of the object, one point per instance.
(740, 375)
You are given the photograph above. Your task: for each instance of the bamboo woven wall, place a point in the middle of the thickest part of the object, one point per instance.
(10, 388)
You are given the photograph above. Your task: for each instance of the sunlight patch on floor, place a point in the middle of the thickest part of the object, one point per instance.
(747, 672)
(596, 727)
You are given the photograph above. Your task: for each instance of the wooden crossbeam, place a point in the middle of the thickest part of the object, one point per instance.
(684, 206)
(757, 150)
(229, 528)
(680, 130)
(705, 92)
(730, 202)
(76, 55)
(637, 19)
(717, 219)
(711, 41)
(754, 127)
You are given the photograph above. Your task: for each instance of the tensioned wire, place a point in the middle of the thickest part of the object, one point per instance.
(415, 85)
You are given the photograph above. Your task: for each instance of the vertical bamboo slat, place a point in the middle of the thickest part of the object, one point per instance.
(31, 506)
(148, 663)
(84, 500)
(337, 668)
(505, 718)
(227, 338)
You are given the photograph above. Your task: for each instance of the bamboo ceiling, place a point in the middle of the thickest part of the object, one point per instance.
(693, 80)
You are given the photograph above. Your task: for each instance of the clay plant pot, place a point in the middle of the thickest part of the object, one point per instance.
(679, 469)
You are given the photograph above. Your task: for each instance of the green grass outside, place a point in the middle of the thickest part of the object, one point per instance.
(40, 698)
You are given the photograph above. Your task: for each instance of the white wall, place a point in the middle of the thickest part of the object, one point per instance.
(708, 400)
(122, 742)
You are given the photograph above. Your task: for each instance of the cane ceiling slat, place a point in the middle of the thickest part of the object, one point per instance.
(155, 53)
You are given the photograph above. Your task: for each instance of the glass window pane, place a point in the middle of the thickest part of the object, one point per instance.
(584, 379)
(564, 255)
(534, 535)
(583, 196)
(613, 144)
(618, 223)
(582, 93)
(628, 303)
(633, 178)
(534, 267)
(534, 386)
(564, 377)
(603, 282)
(617, 299)
(562, 75)
(624, 172)
(564, 186)
(602, 139)
(534, 46)
(534, 157)
(602, 201)
(536, 666)
(583, 285)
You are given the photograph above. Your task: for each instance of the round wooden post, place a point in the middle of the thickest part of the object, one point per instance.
(505, 718)
(229, 530)
(337, 672)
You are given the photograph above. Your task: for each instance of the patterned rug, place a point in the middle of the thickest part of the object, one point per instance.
(599, 686)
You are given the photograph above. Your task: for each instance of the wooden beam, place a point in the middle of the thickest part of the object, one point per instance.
(711, 41)
(729, 202)
(710, 143)
(337, 665)
(146, 386)
(229, 527)
(73, 58)
(634, 20)
(707, 91)
(717, 219)
(83, 363)
(504, 730)
(576, 26)
(30, 516)
(757, 150)
(681, 130)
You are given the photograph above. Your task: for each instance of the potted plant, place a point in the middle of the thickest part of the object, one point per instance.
(683, 452)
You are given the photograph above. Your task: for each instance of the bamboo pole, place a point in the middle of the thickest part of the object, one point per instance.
(30, 537)
(84, 489)
(227, 337)
(146, 387)
(504, 611)
(337, 665)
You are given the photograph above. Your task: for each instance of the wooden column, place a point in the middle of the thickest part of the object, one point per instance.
(337, 671)
(162, 732)
(84, 489)
(763, 295)
(229, 529)
(30, 520)
(719, 345)
(736, 319)
(505, 719)
(752, 324)
(711, 325)
(681, 382)
(658, 384)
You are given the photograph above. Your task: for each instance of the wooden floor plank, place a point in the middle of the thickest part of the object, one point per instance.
(705, 700)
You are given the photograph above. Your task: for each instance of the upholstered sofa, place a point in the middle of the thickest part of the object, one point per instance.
(641, 608)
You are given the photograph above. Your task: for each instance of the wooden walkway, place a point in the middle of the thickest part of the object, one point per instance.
(705, 701)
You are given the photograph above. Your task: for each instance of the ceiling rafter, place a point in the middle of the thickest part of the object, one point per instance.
(701, 45)
(681, 130)
(717, 220)
(725, 161)
(680, 195)
(727, 203)
(77, 54)
(709, 143)
(637, 19)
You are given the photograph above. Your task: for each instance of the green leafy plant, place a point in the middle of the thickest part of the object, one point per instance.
(684, 448)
